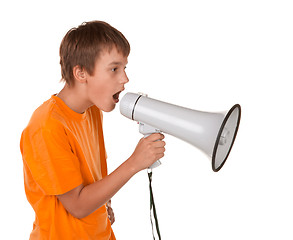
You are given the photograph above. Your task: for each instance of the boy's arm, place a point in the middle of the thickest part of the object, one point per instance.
(83, 200)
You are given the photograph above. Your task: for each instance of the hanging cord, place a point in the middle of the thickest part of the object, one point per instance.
(153, 207)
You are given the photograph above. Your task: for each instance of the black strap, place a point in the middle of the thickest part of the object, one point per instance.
(153, 207)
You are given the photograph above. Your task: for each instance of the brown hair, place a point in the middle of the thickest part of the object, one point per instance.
(82, 46)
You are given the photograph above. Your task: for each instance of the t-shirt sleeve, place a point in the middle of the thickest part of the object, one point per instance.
(48, 155)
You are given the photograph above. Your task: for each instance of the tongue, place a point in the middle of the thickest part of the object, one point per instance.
(116, 96)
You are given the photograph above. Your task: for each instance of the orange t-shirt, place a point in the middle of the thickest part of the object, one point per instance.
(62, 149)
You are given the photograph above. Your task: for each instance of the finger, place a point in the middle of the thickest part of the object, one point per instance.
(159, 144)
(159, 156)
(112, 218)
(155, 137)
(110, 211)
(159, 150)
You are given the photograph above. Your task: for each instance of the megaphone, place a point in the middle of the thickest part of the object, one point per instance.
(212, 133)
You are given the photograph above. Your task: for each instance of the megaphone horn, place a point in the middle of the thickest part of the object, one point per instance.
(213, 133)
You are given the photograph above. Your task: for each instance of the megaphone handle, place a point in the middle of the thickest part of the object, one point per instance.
(147, 130)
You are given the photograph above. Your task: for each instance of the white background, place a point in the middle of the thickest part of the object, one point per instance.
(205, 55)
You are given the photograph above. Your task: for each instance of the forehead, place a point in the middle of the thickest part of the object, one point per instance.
(111, 57)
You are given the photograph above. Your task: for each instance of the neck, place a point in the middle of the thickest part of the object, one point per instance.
(74, 98)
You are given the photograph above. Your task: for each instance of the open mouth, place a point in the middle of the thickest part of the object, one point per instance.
(116, 97)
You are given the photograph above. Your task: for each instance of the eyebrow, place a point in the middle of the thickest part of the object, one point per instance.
(116, 63)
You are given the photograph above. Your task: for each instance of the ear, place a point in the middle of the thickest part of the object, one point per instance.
(79, 74)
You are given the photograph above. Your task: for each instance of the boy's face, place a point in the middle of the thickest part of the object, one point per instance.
(108, 80)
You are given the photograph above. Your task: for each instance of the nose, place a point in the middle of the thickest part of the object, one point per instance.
(124, 78)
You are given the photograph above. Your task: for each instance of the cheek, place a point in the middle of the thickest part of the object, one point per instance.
(94, 89)
(100, 92)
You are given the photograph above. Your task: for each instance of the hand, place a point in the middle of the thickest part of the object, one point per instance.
(110, 212)
(148, 151)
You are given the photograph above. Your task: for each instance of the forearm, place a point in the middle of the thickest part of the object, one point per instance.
(93, 196)
(83, 200)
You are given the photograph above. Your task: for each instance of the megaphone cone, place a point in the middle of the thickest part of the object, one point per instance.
(213, 133)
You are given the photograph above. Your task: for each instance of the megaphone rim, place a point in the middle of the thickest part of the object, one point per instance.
(219, 136)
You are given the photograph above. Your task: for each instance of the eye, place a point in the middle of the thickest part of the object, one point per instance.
(113, 69)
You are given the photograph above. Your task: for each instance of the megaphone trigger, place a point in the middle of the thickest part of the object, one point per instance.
(147, 130)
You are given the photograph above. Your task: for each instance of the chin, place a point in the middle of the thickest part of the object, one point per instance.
(108, 108)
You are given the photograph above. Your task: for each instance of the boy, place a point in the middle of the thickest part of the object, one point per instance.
(65, 171)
